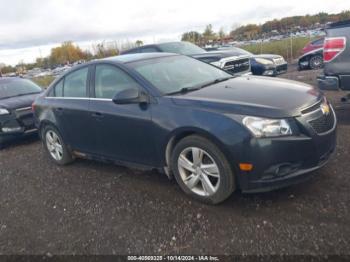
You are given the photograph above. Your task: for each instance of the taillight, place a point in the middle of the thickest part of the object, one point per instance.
(333, 47)
(33, 107)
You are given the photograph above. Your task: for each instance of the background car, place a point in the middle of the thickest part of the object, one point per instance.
(16, 116)
(336, 73)
(313, 45)
(311, 60)
(263, 64)
(213, 131)
(232, 62)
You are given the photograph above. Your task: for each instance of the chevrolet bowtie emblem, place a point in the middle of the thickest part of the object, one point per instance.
(325, 109)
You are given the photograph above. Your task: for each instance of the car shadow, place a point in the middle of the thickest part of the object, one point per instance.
(20, 141)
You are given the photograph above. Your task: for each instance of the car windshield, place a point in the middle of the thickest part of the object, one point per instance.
(183, 48)
(17, 87)
(172, 74)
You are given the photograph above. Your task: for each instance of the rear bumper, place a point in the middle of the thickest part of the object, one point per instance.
(328, 82)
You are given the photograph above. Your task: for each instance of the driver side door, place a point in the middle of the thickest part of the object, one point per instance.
(124, 131)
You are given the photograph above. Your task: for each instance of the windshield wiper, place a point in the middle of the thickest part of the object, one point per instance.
(190, 89)
(183, 90)
(217, 80)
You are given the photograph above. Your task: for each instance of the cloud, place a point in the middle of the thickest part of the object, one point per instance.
(32, 23)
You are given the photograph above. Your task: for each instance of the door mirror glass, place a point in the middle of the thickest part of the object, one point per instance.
(130, 96)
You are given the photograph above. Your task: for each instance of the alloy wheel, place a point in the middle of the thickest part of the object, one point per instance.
(316, 62)
(54, 145)
(199, 171)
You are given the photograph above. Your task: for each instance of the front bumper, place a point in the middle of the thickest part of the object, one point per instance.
(276, 70)
(283, 161)
(16, 125)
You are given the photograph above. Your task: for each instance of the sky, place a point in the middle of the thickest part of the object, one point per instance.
(30, 28)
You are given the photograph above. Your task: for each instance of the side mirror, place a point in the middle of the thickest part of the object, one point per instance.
(130, 96)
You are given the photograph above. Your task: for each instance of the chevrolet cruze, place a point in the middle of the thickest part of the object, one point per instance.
(213, 132)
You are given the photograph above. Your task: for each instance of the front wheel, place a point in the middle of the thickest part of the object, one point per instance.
(202, 170)
(55, 146)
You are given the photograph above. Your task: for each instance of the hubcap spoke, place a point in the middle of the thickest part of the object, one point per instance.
(207, 185)
(210, 170)
(49, 138)
(192, 180)
(197, 155)
(59, 148)
(185, 163)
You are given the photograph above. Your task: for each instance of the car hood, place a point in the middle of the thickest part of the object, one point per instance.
(219, 55)
(18, 101)
(267, 56)
(255, 96)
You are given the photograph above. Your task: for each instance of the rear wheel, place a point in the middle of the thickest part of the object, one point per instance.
(202, 170)
(55, 146)
(316, 62)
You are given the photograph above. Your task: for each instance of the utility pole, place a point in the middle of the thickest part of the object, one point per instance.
(291, 48)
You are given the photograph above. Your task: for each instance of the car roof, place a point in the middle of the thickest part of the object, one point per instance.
(128, 58)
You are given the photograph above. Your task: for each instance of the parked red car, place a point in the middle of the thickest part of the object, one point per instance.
(313, 45)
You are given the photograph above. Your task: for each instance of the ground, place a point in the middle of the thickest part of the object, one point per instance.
(95, 208)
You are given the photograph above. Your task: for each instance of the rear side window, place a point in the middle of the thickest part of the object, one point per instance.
(318, 42)
(110, 80)
(75, 83)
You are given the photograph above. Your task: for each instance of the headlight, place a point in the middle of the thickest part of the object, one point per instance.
(264, 61)
(263, 127)
(4, 111)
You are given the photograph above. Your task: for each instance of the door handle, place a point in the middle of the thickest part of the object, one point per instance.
(59, 110)
(98, 115)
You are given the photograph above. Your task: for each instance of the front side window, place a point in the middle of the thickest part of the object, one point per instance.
(110, 80)
(59, 89)
(75, 83)
(173, 73)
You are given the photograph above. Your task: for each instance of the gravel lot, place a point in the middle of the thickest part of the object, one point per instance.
(94, 208)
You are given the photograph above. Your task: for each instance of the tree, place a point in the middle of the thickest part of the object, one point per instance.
(66, 53)
(208, 33)
(139, 43)
(192, 36)
(104, 49)
(221, 33)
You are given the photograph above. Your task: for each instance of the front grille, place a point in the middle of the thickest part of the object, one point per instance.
(279, 61)
(312, 108)
(237, 66)
(324, 123)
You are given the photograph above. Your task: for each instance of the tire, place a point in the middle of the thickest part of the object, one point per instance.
(59, 155)
(213, 166)
(316, 62)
